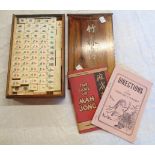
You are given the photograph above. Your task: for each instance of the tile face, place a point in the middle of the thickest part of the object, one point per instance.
(16, 75)
(33, 87)
(36, 56)
(22, 20)
(34, 81)
(57, 74)
(16, 83)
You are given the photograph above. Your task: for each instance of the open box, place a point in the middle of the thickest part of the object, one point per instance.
(90, 41)
(36, 65)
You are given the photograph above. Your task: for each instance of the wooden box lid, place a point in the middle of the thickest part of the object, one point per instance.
(90, 41)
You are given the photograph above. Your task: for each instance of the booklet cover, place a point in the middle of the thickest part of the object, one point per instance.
(87, 87)
(122, 104)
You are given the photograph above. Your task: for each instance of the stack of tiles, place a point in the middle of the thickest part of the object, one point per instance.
(36, 56)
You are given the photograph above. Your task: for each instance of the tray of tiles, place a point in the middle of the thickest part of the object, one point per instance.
(36, 61)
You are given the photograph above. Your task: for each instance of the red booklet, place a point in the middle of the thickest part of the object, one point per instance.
(87, 87)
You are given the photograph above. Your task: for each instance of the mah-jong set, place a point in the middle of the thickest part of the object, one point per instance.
(104, 95)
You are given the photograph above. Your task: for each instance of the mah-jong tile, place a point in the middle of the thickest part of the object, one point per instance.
(16, 58)
(15, 83)
(34, 56)
(33, 74)
(18, 42)
(27, 41)
(28, 31)
(22, 20)
(51, 52)
(34, 80)
(33, 87)
(52, 32)
(42, 75)
(35, 46)
(15, 65)
(57, 73)
(53, 20)
(34, 69)
(50, 81)
(52, 26)
(42, 81)
(17, 52)
(59, 24)
(28, 26)
(16, 75)
(35, 41)
(36, 31)
(44, 41)
(43, 52)
(44, 26)
(27, 46)
(19, 36)
(15, 69)
(35, 36)
(42, 68)
(25, 75)
(25, 63)
(51, 64)
(27, 36)
(46, 21)
(43, 36)
(19, 31)
(38, 21)
(21, 90)
(42, 58)
(18, 47)
(50, 76)
(51, 58)
(42, 64)
(30, 20)
(25, 68)
(25, 57)
(43, 46)
(20, 27)
(42, 87)
(26, 52)
(15, 89)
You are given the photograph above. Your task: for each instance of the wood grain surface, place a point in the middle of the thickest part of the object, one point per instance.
(90, 41)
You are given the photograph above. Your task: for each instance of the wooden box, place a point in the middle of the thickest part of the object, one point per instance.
(90, 41)
(36, 65)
